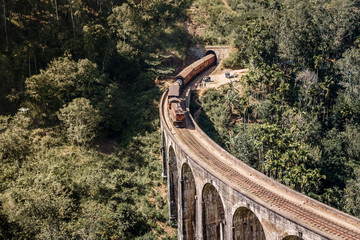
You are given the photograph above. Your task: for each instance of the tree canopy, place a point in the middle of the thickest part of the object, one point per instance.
(79, 139)
(79, 119)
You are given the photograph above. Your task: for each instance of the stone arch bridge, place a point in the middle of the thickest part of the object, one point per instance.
(213, 195)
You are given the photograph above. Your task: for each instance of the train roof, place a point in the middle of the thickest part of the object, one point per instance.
(188, 69)
(207, 57)
(185, 72)
(174, 90)
(204, 59)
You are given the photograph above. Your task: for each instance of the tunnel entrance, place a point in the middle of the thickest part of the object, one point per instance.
(173, 185)
(189, 203)
(213, 214)
(212, 52)
(246, 225)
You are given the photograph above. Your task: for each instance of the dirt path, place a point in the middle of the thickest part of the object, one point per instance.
(226, 4)
(218, 79)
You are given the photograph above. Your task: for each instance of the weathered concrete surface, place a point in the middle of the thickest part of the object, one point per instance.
(218, 199)
(173, 180)
(189, 203)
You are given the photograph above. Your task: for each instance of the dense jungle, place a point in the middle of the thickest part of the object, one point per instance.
(80, 82)
(79, 136)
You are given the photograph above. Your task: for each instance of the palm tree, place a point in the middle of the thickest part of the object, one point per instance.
(232, 96)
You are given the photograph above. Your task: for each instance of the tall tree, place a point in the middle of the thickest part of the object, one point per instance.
(81, 121)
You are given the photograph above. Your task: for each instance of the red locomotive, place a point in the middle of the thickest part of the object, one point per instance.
(176, 105)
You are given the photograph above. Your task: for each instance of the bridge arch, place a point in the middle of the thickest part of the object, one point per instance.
(172, 184)
(292, 237)
(246, 225)
(213, 212)
(188, 193)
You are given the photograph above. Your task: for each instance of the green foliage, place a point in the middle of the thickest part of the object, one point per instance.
(80, 119)
(80, 60)
(335, 162)
(15, 138)
(97, 43)
(233, 61)
(67, 192)
(220, 21)
(268, 81)
(214, 103)
(306, 34)
(114, 106)
(122, 24)
(351, 196)
(348, 67)
(239, 145)
(345, 110)
(15, 146)
(62, 81)
(255, 42)
(39, 209)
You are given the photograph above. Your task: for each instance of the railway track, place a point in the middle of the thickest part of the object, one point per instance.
(303, 215)
(260, 192)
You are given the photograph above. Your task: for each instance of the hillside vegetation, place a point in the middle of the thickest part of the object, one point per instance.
(297, 116)
(79, 138)
(79, 128)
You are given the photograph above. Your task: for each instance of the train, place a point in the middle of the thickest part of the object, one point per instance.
(177, 108)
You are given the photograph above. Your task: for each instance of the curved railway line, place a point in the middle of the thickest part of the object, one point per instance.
(311, 214)
(264, 194)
